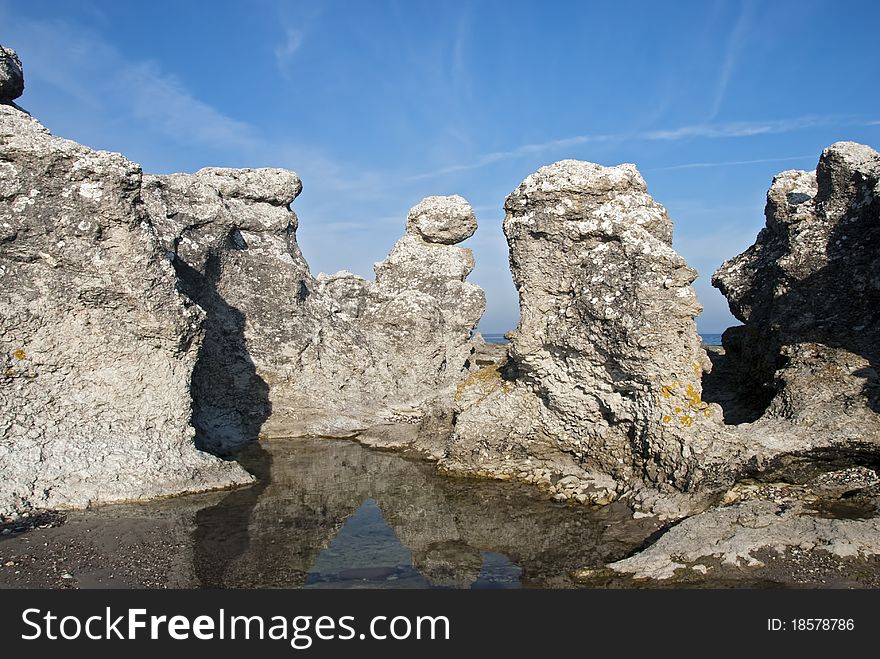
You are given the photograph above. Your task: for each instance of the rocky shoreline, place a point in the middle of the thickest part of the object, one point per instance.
(154, 326)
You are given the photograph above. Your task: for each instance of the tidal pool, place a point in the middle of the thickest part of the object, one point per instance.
(328, 513)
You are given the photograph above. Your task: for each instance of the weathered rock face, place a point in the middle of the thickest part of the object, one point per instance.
(98, 344)
(231, 237)
(808, 292)
(387, 350)
(445, 220)
(772, 523)
(286, 354)
(604, 368)
(11, 75)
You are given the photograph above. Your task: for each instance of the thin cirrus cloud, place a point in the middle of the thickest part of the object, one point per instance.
(735, 43)
(284, 52)
(733, 163)
(162, 102)
(94, 73)
(693, 131)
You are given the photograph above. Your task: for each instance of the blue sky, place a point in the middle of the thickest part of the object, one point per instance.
(377, 104)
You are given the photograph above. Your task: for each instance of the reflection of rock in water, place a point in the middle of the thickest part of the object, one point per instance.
(329, 513)
(366, 552)
(221, 533)
(317, 486)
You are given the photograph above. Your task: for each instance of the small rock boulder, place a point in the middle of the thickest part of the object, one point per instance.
(11, 75)
(445, 220)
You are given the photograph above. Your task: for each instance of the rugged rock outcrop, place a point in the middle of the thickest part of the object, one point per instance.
(754, 532)
(287, 354)
(808, 293)
(231, 238)
(803, 368)
(145, 317)
(602, 385)
(134, 303)
(389, 350)
(98, 345)
(11, 75)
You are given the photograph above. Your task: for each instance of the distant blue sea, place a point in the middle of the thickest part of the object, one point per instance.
(711, 339)
(708, 339)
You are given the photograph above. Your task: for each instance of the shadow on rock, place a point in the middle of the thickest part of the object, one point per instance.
(230, 400)
(739, 403)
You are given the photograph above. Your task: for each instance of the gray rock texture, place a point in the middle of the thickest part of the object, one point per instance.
(445, 220)
(387, 350)
(287, 354)
(231, 238)
(147, 316)
(147, 321)
(602, 385)
(808, 293)
(802, 368)
(738, 535)
(11, 75)
(98, 345)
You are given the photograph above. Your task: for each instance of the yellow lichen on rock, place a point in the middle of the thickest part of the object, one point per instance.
(687, 394)
(487, 379)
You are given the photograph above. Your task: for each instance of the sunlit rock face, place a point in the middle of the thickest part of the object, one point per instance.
(98, 345)
(387, 350)
(289, 354)
(231, 237)
(604, 370)
(808, 293)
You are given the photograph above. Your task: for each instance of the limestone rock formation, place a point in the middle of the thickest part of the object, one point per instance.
(808, 293)
(231, 238)
(747, 535)
(286, 354)
(446, 220)
(11, 75)
(603, 377)
(390, 349)
(133, 304)
(98, 345)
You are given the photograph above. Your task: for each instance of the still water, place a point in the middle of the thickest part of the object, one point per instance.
(330, 513)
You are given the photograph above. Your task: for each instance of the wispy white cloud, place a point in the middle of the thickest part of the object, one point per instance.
(735, 43)
(284, 51)
(733, 163)
(737, 128)
(695, 131)
(297, 21)
(526, 149)
(162, 102)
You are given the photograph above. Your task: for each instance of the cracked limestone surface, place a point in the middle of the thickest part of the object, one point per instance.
(393, 350)
(734, 536)
(802, 367)
(98, 345)
(231, 238)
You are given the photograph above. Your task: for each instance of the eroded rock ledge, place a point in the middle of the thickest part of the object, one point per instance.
(288, 354)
